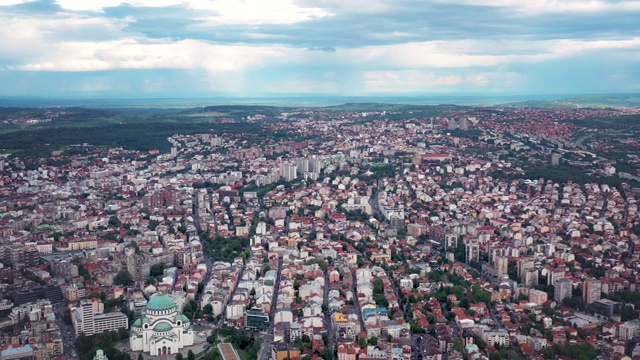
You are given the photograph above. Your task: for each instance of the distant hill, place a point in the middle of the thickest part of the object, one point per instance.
(376, 106)
(235, 111)
(592, 101)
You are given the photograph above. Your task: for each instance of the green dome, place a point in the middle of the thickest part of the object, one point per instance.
(160, 302)
(162, 327)
(140, 321)
(183, 318)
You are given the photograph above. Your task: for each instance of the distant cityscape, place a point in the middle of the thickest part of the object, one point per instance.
(378, 231)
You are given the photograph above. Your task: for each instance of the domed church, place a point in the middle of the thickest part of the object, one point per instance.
(161, 330)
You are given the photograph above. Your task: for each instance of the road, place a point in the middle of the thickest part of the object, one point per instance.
(265, 349)
(373, 201)
(356, 303)
(207, 257)
(580, 140)
(67, 334)
(354, 284)
(331, 331)
(416, 347)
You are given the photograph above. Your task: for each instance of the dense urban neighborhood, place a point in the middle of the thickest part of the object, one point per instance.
(309, 233)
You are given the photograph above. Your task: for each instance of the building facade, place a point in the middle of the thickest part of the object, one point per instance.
(563, 289)
(88, 318)
(256, 319)
(591, 290)
(501, 266)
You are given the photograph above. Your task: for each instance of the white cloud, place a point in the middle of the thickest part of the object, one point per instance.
(355, 6)
(531, 7)
(33, 39)
(131, 54)
(40, 44)
(99, 5)
(89, 41)
(12, 2)
(257, 11)
(247, 12)
(478, 53)
(424, 80)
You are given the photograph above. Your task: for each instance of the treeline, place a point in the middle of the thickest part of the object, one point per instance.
(622, 122)
(106, 341)
(225, 249)
(134, 136)
(71, 113)
(241, 111)
(242, 340)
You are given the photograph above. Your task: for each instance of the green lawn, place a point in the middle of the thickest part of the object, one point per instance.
(243, 354)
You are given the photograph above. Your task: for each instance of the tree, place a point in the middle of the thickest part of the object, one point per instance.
(114, 221)
(191, 355)
(207, 309)
(327, 354)
(179, 356)
(130, 314)
(578, 351)
(157, 270)
(373, 341)
(549, 353)
(415, 328)
(574, 303)
(153, 224)
(123, 333)
(481, 343)
(82, 271)
(140, 357)
(378, 286)
(464, 303)
(362, 342)
(628, 313)
(123, 278)
(481, 295)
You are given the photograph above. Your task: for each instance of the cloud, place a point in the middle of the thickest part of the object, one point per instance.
(425, 81)
(13, 2)
(528, 7)
(365, 45)
(221, 12)
(480, 53)
(325, 49)
(131, 54)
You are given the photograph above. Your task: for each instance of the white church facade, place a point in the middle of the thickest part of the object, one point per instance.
(161, 330)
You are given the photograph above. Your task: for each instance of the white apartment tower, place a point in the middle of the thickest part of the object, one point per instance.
(289, 171)
(500, 266)
(563, 289)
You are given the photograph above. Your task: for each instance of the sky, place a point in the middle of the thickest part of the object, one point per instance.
(245, 48)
